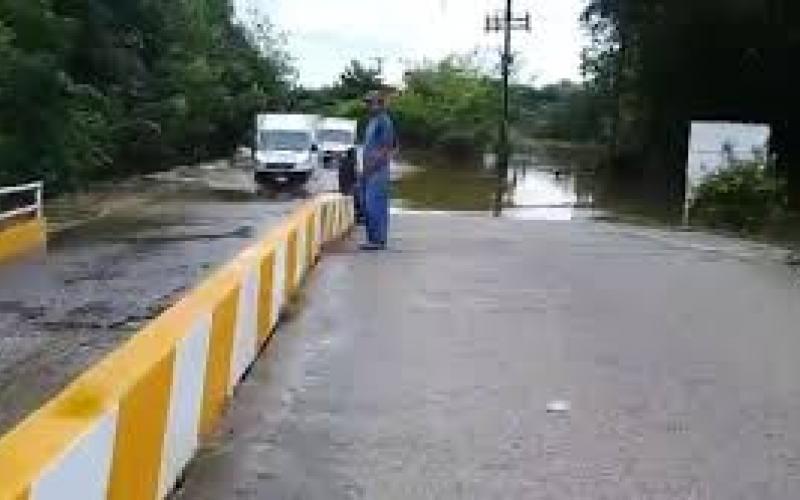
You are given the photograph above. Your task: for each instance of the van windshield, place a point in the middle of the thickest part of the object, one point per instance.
(284, 140)
(336, 136)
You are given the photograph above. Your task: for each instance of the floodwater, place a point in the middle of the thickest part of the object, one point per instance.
(568, 183)
(547, 182)
(547, 187)
(558, 183)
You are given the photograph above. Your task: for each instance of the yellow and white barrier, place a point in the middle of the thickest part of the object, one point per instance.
(128, 426)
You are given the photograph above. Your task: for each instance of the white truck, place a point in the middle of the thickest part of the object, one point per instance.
(337, 138)
(287, 148)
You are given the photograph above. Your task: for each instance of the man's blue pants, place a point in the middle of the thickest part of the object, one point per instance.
(376, 204)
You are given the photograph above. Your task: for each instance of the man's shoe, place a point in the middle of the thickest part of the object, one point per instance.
(372, 247)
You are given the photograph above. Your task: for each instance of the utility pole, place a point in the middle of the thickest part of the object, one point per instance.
(379, 62)
(505, 23)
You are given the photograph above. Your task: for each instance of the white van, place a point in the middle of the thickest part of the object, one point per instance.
(287, 148)
(337, 136)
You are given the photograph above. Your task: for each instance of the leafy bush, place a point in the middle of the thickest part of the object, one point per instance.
(744, 197)
(449, 105)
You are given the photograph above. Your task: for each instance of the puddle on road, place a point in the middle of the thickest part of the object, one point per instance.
(242, 232)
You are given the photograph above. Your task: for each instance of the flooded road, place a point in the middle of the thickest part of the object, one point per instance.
(544, 183)
(118, 256)
(567, 183)
(542, 194)
(559, 352)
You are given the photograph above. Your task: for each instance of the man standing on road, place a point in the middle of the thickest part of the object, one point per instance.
(379, 144)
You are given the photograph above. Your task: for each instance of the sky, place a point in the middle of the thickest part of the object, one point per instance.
(324, 35)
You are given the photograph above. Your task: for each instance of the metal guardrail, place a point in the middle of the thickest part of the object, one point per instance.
(35, 208)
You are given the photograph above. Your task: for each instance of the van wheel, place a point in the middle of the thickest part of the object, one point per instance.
(300, 178)
(266, 184)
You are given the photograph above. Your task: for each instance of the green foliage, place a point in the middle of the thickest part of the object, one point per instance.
(743, 197)
(96, 88)
(450, 105)
(658, 64)
(356, 81)
(344, 97)
(564, 111)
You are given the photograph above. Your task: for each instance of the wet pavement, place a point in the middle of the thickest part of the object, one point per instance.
(118, 256)
(538, 359)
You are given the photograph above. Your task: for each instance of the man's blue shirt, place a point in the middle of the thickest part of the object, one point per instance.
(379, 136)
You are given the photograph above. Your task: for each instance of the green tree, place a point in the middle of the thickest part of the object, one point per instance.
(662, 63)
(356, 80)
(450, 104)
(565, 111)
(341, 97)
(94, 88)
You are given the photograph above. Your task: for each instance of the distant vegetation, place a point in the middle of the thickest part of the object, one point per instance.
(453, 105)
(564, 111)
(97, 88)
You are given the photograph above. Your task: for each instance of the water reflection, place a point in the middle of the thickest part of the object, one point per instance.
(430, 183)
(543, 195)
(549, 186)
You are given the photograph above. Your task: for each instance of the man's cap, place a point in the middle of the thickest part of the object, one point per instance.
(374, 96)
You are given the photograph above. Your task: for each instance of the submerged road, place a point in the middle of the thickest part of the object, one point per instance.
(427, 371)
(119, 257)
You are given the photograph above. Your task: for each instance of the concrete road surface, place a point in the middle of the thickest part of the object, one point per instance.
(426, 372)
(119, 256)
